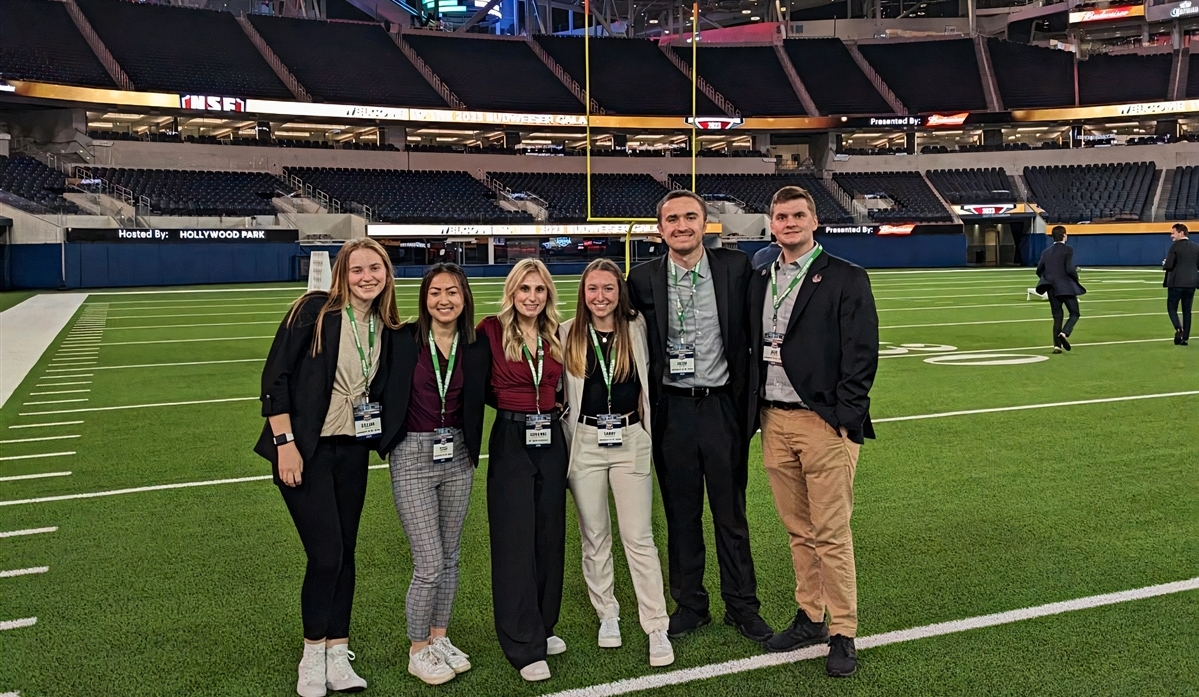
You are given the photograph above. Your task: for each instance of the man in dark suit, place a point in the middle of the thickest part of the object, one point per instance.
(814, 337)
(1182, 276)
(693, 300)
(1059, 278)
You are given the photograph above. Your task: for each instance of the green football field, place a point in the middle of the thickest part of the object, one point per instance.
(1003, 479)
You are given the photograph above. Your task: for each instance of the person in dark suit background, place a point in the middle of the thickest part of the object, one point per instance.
(1182, 276)
(1059, 278)
(766, 255)
(693, 300)
(814, 338)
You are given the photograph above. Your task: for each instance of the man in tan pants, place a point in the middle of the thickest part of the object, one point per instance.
(814, 332)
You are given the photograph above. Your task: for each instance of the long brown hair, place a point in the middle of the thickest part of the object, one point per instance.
(578, 338)
(466, 320)
(338, 295)
(547, 321)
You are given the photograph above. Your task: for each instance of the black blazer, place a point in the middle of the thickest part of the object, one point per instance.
(1058, 272)
(1182, 265)
(830, 346)
(297, 383)
(730, 277)
(393, 387)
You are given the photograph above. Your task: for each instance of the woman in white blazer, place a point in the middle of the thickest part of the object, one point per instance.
(606, 371)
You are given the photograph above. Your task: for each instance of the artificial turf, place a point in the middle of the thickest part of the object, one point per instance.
(195, 591)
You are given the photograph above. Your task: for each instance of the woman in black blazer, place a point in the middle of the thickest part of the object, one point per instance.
(432, 391)
(320, 428)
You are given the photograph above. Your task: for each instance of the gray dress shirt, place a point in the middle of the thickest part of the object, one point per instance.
(778, 385)
(702, 325)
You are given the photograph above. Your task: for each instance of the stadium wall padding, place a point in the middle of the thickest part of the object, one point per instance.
(914, 251)
(36, 265)
(1118, 250)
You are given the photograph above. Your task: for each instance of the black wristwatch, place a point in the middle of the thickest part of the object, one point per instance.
(284, 438)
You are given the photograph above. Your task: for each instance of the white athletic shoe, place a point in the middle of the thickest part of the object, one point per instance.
(536, 671)
(609, 633)
(452, 655)
(554, 646)
(427, 665)
(339, 676)
(661, 653)
(312, 671)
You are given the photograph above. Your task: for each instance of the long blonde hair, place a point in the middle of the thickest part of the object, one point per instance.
(338, 295)
(547, 321)
(578, 338)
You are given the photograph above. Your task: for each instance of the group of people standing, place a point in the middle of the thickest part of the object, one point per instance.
(670, 371)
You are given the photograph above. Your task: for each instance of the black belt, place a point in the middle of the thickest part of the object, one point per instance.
(785, 406)
(625, 421)
(519, 416)
(693, 391)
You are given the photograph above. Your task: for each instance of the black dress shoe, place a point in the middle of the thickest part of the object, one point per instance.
(1061, 338)
(802, 632)
(755, 628)
(1177, 337)
(842, 660)
(684, 621)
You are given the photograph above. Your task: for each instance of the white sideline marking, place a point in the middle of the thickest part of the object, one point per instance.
(34, 440)
(11, 694)
(30, 531)
(29, 327)
(1023, 407)
(678, 677)
(35, 476)
(52, 423)
(12, 573)
(55, 401)
(169, 365)
(138, 406)
(60, 384)
(40, 394)
(184, 326)
(69, 377)
(1015, 295)
(37, 456)
(17, 624)
(188, 341)
(1038, 306)
(1013, 321)
(914, 354)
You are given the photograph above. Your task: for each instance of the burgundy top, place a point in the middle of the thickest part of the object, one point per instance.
(424, 408)
(512, 381)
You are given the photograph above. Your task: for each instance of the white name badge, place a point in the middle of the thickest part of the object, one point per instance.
(772, 348)
(608, 430)
(682, 359)
(368, 421)
(443, 446)
(537, 430)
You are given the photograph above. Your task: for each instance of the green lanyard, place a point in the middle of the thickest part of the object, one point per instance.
(777, 300)
(536, 371)
(678, 300)
(364, 357)
(443, 388)
(607, 365)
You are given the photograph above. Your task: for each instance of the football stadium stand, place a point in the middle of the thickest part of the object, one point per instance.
(1108, 79)
(748, 76)
(973, 185)
(1192, 90)
(613, 195)
(1081, 193)
(172, 49)
(38, 41)
(1031, 76)
(756, 190)
(33, 187)
(346, 62)
(911, 199)
(930, 75)
(1183, 202)
(196, 193)
(834, 81)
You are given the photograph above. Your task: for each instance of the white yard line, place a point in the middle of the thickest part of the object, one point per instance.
(1025, 407)
(60, 384)
(686, 675)
(1015, 295)
(45, 475)
(37, 456)
(296, 289)
(169, 365)
(187, 341)
(1015, 321)
(12, 573)
(925, 354)
(139, 406)
(29, 531)
(198, 314)
(1027, 304)
(17, 624)
(55, 401)
(35, 440)
(41, 394)
(52, 423)
(184, 326)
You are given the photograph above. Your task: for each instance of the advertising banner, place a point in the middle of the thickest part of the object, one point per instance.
(183, 235)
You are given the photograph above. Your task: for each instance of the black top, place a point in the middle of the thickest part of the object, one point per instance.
(625, 394)
(1182, 265)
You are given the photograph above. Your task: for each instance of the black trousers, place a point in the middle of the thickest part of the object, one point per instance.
(526, 513)
(698, 440)
(326, 508)
(1186, 296)
(1055, 306)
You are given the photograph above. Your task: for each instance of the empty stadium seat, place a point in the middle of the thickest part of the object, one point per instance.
(930, 75)
(613, 195)
(756, 190)
(1031, 76)
(172, 49)
(914, 201)
(38, 41)
(833, 79)
(1192, 90)
(973, 185)
(1105, 79)
(33, 187)
(197, 193)
(1183, 202)
(1089, 193)
(748, 76)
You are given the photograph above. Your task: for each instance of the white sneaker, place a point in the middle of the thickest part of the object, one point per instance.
(427, 665)
(339, 676)
(451, 654)
(554, 646)
(609, 633)
(661, 653)
(312, 671)
(536, 671)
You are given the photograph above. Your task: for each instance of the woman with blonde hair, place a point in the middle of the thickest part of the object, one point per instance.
(526, 470)
(321, 426)
(607, 430)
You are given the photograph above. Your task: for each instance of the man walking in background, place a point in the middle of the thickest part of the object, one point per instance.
(1182, 276)
(1059, 277)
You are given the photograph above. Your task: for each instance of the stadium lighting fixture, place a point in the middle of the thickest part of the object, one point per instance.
(532, 142)
(293, 134)
(100, 124)
(446, 140)
(445, 131)
(754, 18)
(745, 12)
(653, 21)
